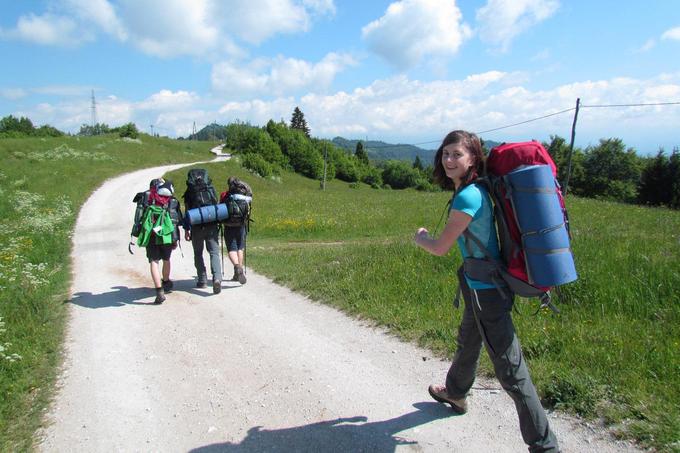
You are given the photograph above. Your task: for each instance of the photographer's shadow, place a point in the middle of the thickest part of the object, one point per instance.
(341, 434)
(123, 295)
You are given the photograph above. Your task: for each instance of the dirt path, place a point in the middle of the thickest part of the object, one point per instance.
(255, 368)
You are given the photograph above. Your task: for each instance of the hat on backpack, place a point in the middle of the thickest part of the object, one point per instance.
(156, 182)
(166, 189)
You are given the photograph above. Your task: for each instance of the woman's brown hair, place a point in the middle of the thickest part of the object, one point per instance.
(470, 142)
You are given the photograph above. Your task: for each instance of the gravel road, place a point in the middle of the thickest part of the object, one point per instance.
(255, 368)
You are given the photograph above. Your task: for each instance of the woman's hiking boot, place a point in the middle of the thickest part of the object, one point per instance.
(202, 281)
(241, 275)
(167, 285)
(160, 296)
(217, 285)
(439, 393)
(235, 277)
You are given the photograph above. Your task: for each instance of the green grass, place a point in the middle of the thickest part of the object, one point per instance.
(613, 353)
(43, 183)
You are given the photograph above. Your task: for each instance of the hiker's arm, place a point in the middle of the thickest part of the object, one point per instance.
(457, 223)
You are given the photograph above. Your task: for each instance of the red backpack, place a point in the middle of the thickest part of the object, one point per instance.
(532, 224)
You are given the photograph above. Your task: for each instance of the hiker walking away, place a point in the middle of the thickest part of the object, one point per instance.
(237, 198)
(158, 231)
(487, 315)
(200, 192)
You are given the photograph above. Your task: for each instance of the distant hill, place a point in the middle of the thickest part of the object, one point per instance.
(211, 132)
(378, 150)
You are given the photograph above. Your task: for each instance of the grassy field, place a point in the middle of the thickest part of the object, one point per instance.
(613, 353)
(43, 182)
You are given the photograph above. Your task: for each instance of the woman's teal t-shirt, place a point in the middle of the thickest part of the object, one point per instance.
(474, 201)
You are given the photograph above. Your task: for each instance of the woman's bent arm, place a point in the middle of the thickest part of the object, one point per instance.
(457, 223)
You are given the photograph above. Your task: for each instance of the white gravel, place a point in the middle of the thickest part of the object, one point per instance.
(255, 368)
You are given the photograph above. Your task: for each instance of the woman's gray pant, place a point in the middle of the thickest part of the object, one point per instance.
(209, 234)
(487, 319)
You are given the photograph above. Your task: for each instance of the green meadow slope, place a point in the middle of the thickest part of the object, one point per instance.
(611, 354)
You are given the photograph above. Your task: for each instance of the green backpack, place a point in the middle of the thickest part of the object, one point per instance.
(156, 220)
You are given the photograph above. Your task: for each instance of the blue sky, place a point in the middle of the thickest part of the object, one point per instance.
(404, 71)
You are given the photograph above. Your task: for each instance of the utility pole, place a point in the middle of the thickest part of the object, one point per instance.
(151, 126)
(193, 132)
(571, 146)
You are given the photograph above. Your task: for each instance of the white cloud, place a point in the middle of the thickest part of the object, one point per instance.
(99, 13)
(646, 47)
(278, 76)
(170, 28)
(13, 93)
(320, 6)
(501, 21)
(48, 30)
(411, 30)
(672, 34)
(168, 100)
(410, 111)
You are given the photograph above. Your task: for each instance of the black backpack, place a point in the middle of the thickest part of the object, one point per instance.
(238, 203)
(200, 191)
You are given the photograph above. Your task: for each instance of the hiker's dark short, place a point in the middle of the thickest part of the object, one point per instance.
(157, 252)
(235, 238)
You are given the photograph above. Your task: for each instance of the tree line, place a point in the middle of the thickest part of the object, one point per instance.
(12, 127)
(609, 170)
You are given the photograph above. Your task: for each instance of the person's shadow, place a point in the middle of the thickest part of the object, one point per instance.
(342, 434)
(123, 295)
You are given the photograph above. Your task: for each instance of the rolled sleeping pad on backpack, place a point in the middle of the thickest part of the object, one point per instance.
(207, 214)
(541, 221)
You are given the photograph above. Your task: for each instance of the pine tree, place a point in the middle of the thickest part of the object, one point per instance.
(417, 164)
(298, 121)
(360, 153)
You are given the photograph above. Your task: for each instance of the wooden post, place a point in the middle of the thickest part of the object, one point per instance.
(325, 158)
(571, 147)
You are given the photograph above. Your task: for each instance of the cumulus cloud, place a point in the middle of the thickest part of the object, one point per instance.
(278, 76)
(501, 21)
(169, 28)
(403, 110)
(48, 30)
(411, 30)
(671, 34)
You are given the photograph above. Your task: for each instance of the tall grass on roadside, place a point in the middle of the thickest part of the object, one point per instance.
(612, 353)
(43, 183)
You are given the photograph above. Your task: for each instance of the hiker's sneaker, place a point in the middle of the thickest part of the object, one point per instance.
(438, 392)
(217, 285)
(235, 277)
(167, 285)
(160, 296)
(241, 276)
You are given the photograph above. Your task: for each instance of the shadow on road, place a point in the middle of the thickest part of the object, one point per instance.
(342, 434)
(123, 295)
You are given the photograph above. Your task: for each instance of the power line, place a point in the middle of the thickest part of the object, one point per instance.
(524, 122)
(630, 105)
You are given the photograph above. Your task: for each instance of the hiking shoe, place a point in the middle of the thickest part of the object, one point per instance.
(217, 285)
(439, 393)
(167, 285)
(235, 277)
(160, 296)
(241, 276)
(202, 281)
